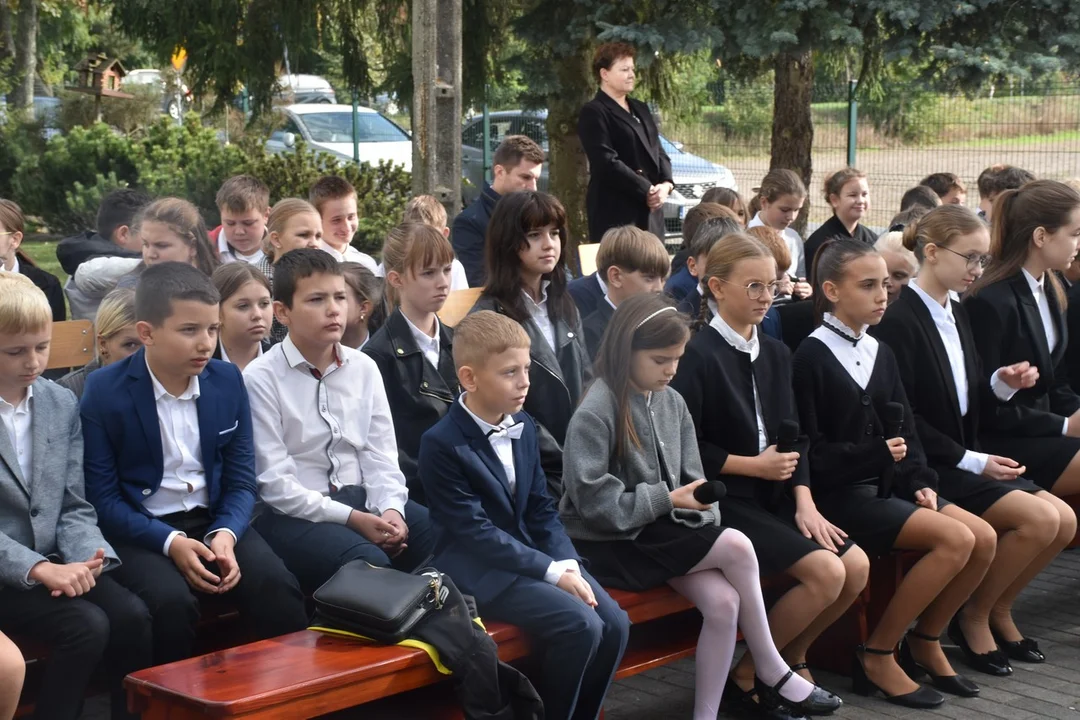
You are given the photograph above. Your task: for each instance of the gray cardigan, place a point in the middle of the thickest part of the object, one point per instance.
(607, 498)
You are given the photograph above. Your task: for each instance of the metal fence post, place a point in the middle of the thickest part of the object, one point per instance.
(487, 139)
(852, 122)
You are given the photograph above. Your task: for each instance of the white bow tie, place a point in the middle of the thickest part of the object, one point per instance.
(512, 431)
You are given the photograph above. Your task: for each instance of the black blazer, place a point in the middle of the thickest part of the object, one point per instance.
(717, 383)
(909, 330)
(1007, 329)
(1072, 352)
(469, 232)
(625, 160)
(586, 293)
(49, 285)
(419, 394)
(594, 326)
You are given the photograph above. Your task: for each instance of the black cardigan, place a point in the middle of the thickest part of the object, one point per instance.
(717, 383)
(1007, 328)
(843, 422)
(833, 228)
(909, 330)
(418, 394)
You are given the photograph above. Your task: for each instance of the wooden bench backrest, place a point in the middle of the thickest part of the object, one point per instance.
(72, 344)
(458, 305)
(587, 258)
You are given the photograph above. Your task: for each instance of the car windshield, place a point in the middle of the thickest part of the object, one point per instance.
(336, 127)
(669, 147)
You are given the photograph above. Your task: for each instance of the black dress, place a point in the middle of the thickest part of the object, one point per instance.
(1007, 329)
(830, 229)
(848, 453)
(717, 383)
(910, 331)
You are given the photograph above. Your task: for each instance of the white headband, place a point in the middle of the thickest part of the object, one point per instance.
(650, 317)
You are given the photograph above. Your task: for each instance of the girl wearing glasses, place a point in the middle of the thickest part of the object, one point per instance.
(736, 382)
(870, 477)
(931, 336)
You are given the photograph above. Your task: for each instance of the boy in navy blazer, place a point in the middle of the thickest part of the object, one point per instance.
(170, 468)
(498, 531)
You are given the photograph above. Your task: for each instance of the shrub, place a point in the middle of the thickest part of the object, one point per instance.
(126, 115)
(746, 114)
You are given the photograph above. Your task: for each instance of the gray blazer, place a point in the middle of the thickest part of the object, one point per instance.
(609, 498)
(46, 516)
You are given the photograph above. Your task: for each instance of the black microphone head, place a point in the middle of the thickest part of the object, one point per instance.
(788, 432)
(710, 491)
(894, 412)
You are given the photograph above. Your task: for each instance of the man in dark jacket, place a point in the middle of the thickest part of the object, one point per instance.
(516, 166)
(113, 233)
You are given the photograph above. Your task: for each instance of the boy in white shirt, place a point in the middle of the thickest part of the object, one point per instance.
(335, 199)
(325, 452)
(244, 204)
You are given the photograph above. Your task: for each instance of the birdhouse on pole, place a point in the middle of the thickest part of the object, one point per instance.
(100, 76)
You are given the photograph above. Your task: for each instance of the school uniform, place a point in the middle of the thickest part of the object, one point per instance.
(830, 229)
(618, 509)
(221, 354)
(770, 324)
(1072, 352)
(680, 284)
(500, 538)
(841, 388)
(588, 292)
(560, 362)
(421, 382)
(942, 377)
(46, 282)
(738, 392)
(794, 243)
(159, 466)
(75, 381)
(1016, 319)
(44, 517)
(324, 447)
(595, 324)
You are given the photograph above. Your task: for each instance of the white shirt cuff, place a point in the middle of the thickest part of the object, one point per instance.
(168, 541)
(557, 568)
(206, 540)
(1002, 391)
(1065, 427)
(973, 462)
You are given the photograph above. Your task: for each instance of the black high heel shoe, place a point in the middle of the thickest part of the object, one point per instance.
(952, 684)
(819, 702)
(992, 663)
(1024, 650)
(741, 703)
(922, 699)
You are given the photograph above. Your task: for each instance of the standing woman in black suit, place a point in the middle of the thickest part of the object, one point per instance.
(629, 172)
(939, 366)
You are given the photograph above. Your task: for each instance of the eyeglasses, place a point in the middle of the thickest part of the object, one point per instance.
(973, 261)
(10, 232)
(755, 290)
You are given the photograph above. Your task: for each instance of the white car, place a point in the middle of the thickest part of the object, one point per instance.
(329, 128)
(306, 89)
(171, 106)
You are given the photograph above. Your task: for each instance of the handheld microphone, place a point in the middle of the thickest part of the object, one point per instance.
(894, 427)
(710, 491)
(787, 438)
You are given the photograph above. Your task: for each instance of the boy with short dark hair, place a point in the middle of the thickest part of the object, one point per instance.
(683, 278)
(631, 261)
(948, 186)
(683, 285)
(335, 199)
(244, 204)
(995, 180)
(325, 449)
(170, 469)
(426, 209)
(499, 533)
(56, 569)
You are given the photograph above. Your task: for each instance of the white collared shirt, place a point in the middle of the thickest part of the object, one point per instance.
(751, 347)
(14, 265)
(18, 422)
(1038, 289)
(225, 355)
(601, 283)
(504, 450)
(858, 359)
(227, 255)
(538, 311)
(607, 299)
(351, 254)
(794, 244)
(315, 436)
(183, 479)
(429, 346)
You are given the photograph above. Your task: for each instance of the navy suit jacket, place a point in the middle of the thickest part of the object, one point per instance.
(486, 536)
(123, 451)
(469, 232)
(586, 293)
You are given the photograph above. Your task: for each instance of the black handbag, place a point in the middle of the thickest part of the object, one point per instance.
(379, 603)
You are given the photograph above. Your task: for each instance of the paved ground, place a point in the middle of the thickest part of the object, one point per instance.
(1047, 611)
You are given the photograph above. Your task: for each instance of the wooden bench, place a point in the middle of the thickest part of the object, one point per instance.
(72, 344)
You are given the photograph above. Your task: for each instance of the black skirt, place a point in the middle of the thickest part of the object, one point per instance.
(663, 550)
(1045, 457)
(976, 493)
(778, 544)
(871, 522)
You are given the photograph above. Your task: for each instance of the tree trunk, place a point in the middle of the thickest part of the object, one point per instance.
(568, 169)
(7, 37)
(22, 94)
(793, 126)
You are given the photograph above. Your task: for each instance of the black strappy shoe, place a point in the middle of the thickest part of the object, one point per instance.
(922, 699)
(819, 702)
(741, 703)
(952, 684)
(1023, 650)
(992, 663)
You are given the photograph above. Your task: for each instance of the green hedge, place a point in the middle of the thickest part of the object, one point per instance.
(61, 181)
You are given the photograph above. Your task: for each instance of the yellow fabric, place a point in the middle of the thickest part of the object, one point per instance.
(431, 651)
